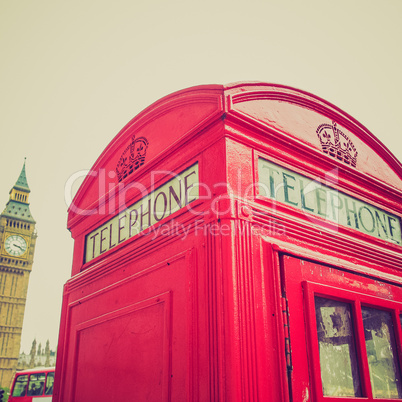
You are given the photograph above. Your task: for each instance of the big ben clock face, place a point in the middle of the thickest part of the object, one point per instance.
(15, 245)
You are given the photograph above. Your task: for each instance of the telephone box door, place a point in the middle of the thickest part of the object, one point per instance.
(345, 333)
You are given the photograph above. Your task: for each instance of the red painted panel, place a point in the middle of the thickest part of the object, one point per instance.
(141, 326)
(138, 338)
(302, 123)
(298, 114)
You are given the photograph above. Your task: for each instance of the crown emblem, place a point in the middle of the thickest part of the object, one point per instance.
(337, 144)
(132, 157)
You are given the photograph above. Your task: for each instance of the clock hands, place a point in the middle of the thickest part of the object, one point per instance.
(16, 245)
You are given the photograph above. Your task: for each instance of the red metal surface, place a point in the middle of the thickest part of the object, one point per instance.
(195, 307)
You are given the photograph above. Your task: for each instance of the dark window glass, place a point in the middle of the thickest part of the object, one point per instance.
(338, 360)
(36, 384)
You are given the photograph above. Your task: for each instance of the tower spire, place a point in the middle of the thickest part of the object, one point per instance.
(22, 183)
(18, 205)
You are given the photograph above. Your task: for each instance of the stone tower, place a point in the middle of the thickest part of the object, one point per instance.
(17, 245)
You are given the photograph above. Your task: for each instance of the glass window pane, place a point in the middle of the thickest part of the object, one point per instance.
(36, 384)
(20, 387)
(338, 361)
(49, 384)
(381, 353)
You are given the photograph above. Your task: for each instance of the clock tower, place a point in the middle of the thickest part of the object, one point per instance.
(17, 245)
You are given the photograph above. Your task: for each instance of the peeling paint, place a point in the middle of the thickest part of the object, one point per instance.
(306, 395)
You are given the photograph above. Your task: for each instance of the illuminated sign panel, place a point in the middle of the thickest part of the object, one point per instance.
(150, 209)
(311, 196)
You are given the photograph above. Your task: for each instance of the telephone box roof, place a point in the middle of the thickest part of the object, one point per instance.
(293, 115)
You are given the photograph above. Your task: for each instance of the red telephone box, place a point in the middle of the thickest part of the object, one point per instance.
(236, 243)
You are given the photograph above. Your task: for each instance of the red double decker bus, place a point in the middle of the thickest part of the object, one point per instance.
(33, 385)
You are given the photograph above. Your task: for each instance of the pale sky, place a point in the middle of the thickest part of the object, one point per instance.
(73, 73)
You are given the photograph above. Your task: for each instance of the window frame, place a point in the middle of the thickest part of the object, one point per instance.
(356, 301)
